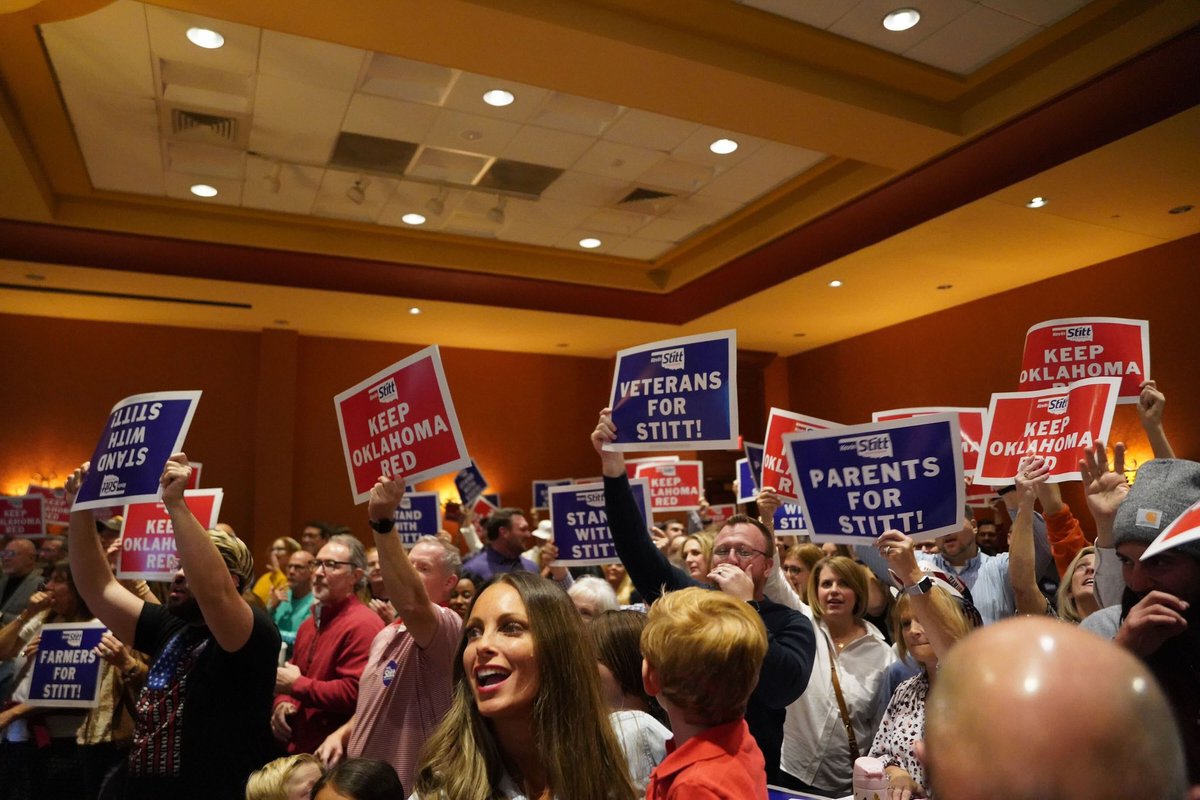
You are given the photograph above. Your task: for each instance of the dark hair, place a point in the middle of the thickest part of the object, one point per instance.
(617, 636)
(501, 518)
(62, 569)
(363, 779)
(322, 527)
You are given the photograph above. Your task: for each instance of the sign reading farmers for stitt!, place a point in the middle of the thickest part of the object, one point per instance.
(400, 422)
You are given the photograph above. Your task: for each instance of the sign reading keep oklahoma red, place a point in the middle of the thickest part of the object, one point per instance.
(1060, 351)
(776, 473)
(400, 421)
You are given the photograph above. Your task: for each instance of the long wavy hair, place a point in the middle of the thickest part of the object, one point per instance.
(462, 760)
(1068, 606)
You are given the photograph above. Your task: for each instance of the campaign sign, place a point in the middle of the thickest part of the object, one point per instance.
(677, 394)
(493, 498)
(66, 673)
(148, 539)
(194, 479)
(55, 510)
(22, 516)
(632, 464)
(470, 484)
(789, 519)
(1063, 351)
(142, 432)
(747, 481)
(581, 523)
(1185, 528)
(674, 487)
(775, 472)
(754, 454)
(419, 514)
(980, 496)
(400, 422)
(860, 480)
(970, 425)
(718, 514)
(541, 500)
(482, 508)
(1058, 424)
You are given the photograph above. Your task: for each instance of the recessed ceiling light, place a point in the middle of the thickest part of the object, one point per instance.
(589, 243)
(203, 37)
(281, 322)
(723, 147)
(204, 190)
(471, 135)
(414, 311)
(498, 98)
(33, 276)
(562, 344)
(944, 286)
(799, 335)
(1180, 209)
(413, 219)
(902, 19)
(1036, 202)
(835, 284)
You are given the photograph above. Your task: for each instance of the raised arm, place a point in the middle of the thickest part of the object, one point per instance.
(1105, 488)
(112, 603)
(1021, 574)
(404, 586)
(225, 613)
(1062, 527)
(1150, 411)
(897, 549)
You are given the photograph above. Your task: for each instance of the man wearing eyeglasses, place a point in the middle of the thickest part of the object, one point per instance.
(19, 581)
(318, 689)
(743, 553)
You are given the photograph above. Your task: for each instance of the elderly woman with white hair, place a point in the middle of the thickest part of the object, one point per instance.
(592, 597)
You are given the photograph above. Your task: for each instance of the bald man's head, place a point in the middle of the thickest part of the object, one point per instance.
(1032, 708)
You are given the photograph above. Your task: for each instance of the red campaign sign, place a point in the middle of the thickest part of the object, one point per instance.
(148, 539)
(1185, 528)
(674, 487)
(1058, 424)
(483, 508)
(979, 496)
(22, 516)
(720, 514)
(1061, 351)
(194, 478)
(775, 470)
(400, 421)
(632, 464)
(55, 510)
(970, 427)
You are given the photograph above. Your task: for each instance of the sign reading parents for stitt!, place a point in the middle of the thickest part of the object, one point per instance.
(775, 472)
(580, 523)
(22, 516)
(674, 487)
(400, 422)
(677, 394)
(540, 499)
(142, 432)
(860, 480)
(1062, 351)
(1058, 424)
(66, 673)
(148, 539)
(970, 427)
(419, 514)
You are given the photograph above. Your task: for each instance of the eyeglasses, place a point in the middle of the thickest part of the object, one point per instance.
(792, 569)
(742, 553)
(329, 565)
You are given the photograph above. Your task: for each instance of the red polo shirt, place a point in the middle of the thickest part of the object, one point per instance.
(721, 763)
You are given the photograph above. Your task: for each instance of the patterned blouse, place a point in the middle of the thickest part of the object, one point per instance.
(903, 724)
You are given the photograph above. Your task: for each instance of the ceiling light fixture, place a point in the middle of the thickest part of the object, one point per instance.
(204, 190)
(1036, 202)
(590, 243)
(723, 147)
(271, 178)
(835, 284)
(414, 311)
(437, 205)
(1180, 209)
(498, 98)
(33, 276)
(944, 286)
(413, 219)
(902, 19)
(496, 212)
(203, 37)
(358, 192)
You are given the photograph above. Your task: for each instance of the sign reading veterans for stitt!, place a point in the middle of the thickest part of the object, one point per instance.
(677, 394)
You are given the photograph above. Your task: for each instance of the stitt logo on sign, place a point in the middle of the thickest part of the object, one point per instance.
(668, 359)
(384, 392)
(1055, 405)
(879, 446)
(1073, 333)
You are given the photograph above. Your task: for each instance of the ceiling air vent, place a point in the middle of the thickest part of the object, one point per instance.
(647, 201)
(208, 128)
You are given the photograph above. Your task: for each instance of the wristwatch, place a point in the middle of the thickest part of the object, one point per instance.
(923, 586)
(382, 525)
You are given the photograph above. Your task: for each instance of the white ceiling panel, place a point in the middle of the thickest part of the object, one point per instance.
(456, 130)
(671, 230)
(702, 209)
(467, 95)
(332, 200)
(679, 176)
(741, 185)
(297, 186)
(199, 159)
(405, 79)
(972, 40)
(695, 148)
(611, 220)
(106, 51)
(649, 130)
(592, 190)
(118, 135)
(447, 166)
(179, 185)
(1039, 12)
(537, 145)
(296, 122)
(620, 161)
(573, 114)
(388, 118)
(641, 249)
(324, 64)
(781, 159)
(168, 39)
(864, 23)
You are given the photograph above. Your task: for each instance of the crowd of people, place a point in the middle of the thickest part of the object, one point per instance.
(1016, 657)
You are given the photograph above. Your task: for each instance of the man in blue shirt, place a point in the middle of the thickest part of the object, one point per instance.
(293, 609)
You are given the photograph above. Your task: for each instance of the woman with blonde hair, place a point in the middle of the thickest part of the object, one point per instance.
(287, 778)
(527, 719)
(697, 555)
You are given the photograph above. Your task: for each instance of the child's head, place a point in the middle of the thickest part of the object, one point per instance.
(287, 778)
(703, 651)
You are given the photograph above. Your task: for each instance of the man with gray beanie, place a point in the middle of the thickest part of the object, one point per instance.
(201, 722)
(1158, 616)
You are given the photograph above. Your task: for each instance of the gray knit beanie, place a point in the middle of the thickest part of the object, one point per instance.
(1164, 489)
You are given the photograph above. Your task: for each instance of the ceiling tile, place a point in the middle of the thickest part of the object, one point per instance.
(106, 50)
(297, 186)
(695, 148)
(179, 186)
(168, 39)
(404, 79)
(972, 40)
(199, 159)
(781, 160)
(741, 185)
(296, 122)
(118, 136)
(448, 166)
(1040, 12)
(702, 209)
(590, 190)
(670, 230)
(468, 91)
(552, 148)
(574, 114)
(817, 13)
(389, 118)
(456, 130)
(570, 241)
(864, 23)
(333, 201)
(642, 249)
(620, 161)
(324, 64)
(680, 176)
(552, 213)
(609, 221)
(649, 130)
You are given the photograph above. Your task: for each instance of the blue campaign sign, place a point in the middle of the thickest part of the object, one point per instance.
(142, 432)
(419, 514)
(860, 480)
(747, 488)
(541, 500)
(754, 453)
(677, 394)
(789, 519)
(66, 673)
(493, 498)
(470, 484)
(581, 523)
